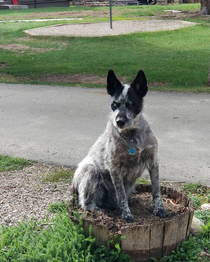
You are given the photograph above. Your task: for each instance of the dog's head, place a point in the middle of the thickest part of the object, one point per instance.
(126, 100)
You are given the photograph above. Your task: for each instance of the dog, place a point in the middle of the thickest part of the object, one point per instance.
(106, 177)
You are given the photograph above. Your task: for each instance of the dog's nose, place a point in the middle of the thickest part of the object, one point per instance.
(120, 123)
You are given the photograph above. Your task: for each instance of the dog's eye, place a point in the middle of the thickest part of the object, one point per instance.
(115, 105)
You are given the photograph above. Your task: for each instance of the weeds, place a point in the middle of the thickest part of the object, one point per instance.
(61, 242)
(194, 188)
(203, 215)
(57, 207)
(59, 175)
(191, 249)
(8, 163)
(143, 181)
(199, 194)
(64, 241)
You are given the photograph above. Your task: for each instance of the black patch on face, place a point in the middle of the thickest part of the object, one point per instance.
(134, 102)
(114, 105)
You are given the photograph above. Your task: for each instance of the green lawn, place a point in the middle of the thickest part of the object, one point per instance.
(172, 60)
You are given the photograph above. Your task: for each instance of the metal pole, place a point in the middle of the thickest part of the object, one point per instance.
(110, 13)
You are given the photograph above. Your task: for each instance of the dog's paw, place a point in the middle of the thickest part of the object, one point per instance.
(127, 217)
(160, 212)
(98, 209)
(92, 208)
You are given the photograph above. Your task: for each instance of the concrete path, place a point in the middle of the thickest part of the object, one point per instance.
(59, 124)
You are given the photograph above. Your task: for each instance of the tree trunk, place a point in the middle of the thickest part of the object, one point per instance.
(205, 7)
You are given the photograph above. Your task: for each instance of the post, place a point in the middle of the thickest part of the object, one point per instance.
(110, 13)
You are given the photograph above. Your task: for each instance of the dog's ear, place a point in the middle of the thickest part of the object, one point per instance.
(113, 84)
(140, 84)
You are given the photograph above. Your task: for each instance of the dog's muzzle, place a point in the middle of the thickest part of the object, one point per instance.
(121, 121)
(121, 118)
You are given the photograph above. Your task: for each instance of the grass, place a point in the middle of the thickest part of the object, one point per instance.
(8, 163)
(63, 241)
(143, 181)
(203, 215)
(57, 207)
(198, 193)
(60, 241)
(58, 175)
(118, 11)
(190, 250)
(172, 60)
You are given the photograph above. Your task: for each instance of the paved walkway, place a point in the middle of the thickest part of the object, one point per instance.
(59, 124)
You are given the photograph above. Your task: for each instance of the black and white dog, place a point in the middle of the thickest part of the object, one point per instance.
(107, 175)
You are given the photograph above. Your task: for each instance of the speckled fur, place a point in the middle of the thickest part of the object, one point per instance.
(106, 177)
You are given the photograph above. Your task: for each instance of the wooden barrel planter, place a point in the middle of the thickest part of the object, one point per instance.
(149, 236)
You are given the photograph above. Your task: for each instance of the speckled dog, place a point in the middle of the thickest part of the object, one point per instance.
(107, 175)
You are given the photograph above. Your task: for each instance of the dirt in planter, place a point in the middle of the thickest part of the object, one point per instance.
(141, 206)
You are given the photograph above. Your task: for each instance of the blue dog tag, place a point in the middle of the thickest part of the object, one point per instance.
(132, 150)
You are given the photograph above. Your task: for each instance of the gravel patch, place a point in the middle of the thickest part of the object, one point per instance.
(103, 28)
(23, 195)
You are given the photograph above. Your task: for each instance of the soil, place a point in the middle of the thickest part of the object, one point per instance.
(141, 206)
(75, 78)
(98, 13)
(2, 64)
(20, 48)
(65, 14)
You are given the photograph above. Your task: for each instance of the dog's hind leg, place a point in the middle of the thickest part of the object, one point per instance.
(89, 189)
(158, 209)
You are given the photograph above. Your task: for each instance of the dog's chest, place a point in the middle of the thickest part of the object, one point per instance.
(124, 155)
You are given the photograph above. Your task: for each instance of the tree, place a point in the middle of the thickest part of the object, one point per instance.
(205, 7)
(208, 79)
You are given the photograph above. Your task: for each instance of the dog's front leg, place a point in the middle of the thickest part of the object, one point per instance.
(158, 209)
(122, 198)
